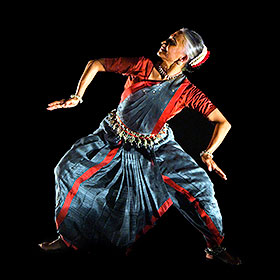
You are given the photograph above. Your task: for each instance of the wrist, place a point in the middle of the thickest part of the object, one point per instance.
(77, 97)
(206, 153)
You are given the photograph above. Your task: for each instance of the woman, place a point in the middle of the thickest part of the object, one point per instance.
(112, 185)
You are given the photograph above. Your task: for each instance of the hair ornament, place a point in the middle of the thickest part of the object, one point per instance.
(201, 58)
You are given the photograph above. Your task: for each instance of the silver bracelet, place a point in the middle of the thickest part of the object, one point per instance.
(205, 152)
(78, 97)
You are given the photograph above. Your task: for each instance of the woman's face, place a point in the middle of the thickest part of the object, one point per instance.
(173, 48)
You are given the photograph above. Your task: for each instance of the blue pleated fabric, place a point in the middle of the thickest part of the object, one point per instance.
(110, 192)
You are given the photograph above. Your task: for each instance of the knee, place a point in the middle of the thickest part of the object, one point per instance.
(58, 170)
(206, 188)
(209, 188)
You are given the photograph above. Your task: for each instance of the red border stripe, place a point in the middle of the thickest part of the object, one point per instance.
(209, 223)
(135, 87)
(168, 109)
(85, 176)
(68, 244)
(163, 208)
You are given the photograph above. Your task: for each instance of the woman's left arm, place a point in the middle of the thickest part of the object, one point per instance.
(221, 129)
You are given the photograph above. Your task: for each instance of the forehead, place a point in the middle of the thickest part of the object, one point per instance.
(179, 36)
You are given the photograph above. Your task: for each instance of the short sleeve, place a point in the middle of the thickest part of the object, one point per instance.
(195, 99)
(126, 65)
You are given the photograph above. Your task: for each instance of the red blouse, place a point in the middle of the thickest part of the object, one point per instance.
(139, 69)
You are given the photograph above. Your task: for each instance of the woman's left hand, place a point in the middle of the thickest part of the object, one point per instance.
(211, 165)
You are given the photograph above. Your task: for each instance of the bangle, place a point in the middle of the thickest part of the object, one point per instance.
(205, 152)
(78, 97)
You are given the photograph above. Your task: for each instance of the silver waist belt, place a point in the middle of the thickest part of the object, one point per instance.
(135, 138)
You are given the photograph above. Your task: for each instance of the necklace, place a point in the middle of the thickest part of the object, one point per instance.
(165, 76)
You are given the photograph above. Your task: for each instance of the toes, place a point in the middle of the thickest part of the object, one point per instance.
(44, 245)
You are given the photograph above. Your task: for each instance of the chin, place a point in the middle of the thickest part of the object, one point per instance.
(160, 54)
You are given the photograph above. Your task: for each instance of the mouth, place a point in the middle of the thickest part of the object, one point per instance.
(163, 49)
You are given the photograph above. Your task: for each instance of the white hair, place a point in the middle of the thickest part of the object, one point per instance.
(195, 50)
(194, 43)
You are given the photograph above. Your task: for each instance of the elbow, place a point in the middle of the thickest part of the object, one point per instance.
(90, 62)
(228, 125)
(96, 64)
(224, 124)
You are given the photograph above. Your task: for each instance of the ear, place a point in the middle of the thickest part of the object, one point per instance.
(184, 59)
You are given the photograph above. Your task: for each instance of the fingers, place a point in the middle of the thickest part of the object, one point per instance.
(220, 172)
(212, 166)
(57, 102)
(63, 104)
(56, 105)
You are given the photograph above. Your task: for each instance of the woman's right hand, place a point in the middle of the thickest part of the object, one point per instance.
(72, 102)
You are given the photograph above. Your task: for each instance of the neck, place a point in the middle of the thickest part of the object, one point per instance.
(171, 68)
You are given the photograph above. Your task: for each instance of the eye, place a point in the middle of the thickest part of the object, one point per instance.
(171, 41)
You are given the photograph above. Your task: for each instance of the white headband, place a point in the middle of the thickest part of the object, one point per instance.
(197, 60)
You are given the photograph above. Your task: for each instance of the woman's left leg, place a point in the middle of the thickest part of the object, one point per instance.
(191, 191)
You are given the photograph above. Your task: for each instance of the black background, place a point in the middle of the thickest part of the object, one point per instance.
(57, 41)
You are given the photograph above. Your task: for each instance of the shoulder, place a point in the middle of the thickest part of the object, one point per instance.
(186, 85)
(140, 66)
(125, 65)
(189, 86)
(142, 61)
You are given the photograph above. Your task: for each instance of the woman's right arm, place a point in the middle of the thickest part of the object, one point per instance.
(92, 68)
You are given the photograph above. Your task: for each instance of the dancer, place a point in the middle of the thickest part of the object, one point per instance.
(114, 184)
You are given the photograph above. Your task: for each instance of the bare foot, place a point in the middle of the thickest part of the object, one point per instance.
(54, 245)
(221, 254)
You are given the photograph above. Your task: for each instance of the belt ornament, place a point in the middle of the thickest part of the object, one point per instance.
(132, 137)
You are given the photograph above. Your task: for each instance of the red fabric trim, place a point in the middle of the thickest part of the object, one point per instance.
(135, 87)
(204, 59)
(168, 109)
(68, 244)
(209, 223)
(163, 208)
(85, 176)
